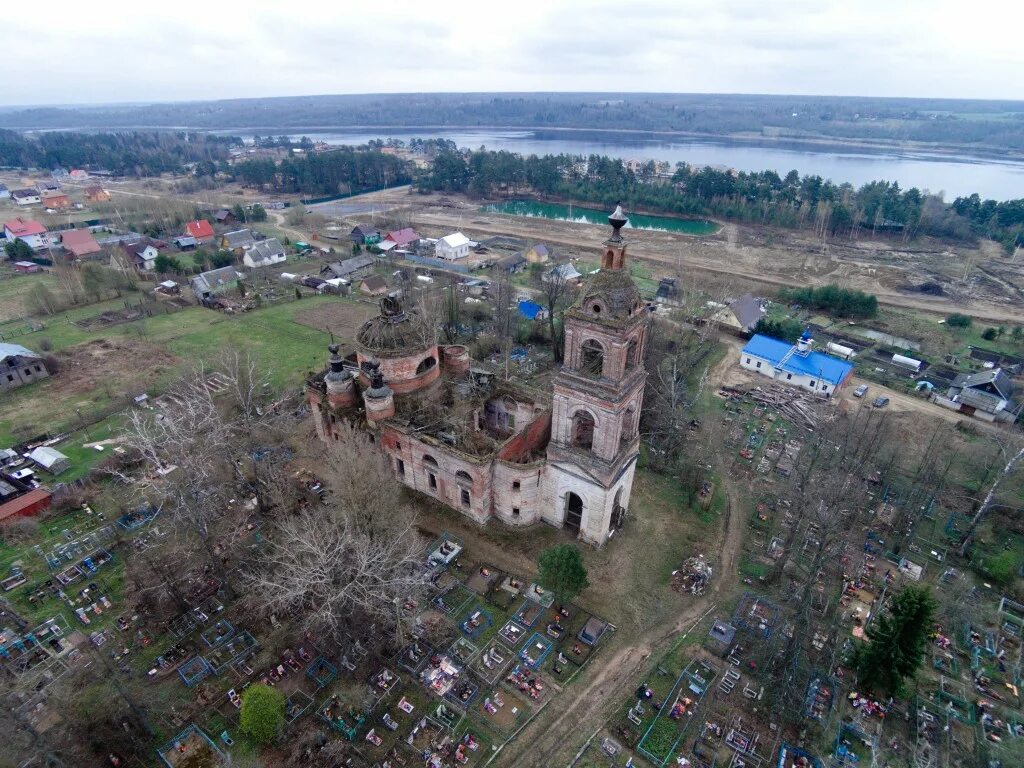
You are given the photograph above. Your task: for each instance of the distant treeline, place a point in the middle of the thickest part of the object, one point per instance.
(133, 153)
(325, 173)
(802, 202)
(989, 124)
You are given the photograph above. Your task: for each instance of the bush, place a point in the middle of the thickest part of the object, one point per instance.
(262, 715)
(45, 344)
(787, 329)
(52, 364)
(1001, 568)
(956, 320)
(842, 302)
(990, 334)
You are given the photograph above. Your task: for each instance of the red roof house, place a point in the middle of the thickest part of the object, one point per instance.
(24, 505)
(403, 236)
(20, 227)
(56, 200)
(200, 229)
(80, 243)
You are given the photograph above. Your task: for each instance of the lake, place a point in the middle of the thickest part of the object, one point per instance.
(561, 212)
(952, 174)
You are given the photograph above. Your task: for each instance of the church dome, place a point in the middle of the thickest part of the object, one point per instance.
(610, 294)
(396, 332)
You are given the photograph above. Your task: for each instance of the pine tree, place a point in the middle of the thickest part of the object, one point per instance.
(562, 571)
(897, 641)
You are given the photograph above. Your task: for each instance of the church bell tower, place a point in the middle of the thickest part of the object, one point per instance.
(598, 393)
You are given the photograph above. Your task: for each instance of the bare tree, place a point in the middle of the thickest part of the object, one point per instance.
(504, 314)
(356, 558)
(555, 289)
(1010, 449)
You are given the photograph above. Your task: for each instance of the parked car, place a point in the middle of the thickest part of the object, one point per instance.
(861, 390)
(881, 402)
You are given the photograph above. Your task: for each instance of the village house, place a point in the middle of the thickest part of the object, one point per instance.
(31, 232)
(741, 314)
(20, 498)
(795, 364)
(373, 286)
(201, 230)
(512, 264)
(349, 269)
(239, 240)
(207, 284)
(987, 395)
(567, 273)
(27, 267)
(78, 174)
(452, 247)
(495, 450)
(27, 196)
(50, 459)
(19, 366)
(80, 243)
(224, 216)
(185, 243)
(56, 201)
(401, 238)
(138, 256)
(96, 194)
(364, 235)
(538, 254)
(264, 253)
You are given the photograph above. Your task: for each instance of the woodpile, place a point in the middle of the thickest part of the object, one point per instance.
(801, 408)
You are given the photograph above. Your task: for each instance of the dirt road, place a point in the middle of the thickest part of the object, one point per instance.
(559, 731)
(723, 258)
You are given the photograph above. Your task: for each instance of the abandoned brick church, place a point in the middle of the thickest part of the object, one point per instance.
(490, 448)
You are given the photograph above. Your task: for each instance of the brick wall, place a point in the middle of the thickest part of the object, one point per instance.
(400, 372)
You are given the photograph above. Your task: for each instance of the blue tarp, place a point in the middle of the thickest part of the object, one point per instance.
(530, 309)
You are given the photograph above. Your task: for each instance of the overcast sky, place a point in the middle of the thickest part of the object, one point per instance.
(72, 51)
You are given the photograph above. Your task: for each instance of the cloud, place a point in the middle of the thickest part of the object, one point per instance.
(112, 50)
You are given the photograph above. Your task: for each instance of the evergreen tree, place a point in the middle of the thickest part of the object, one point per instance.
(562, 571)
(262, 715)
(896, 641)
(18, 250)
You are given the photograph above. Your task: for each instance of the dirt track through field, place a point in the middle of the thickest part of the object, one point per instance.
(590, 700)
(718, 264)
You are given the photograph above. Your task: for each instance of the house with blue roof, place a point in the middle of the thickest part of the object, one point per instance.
(796, 364)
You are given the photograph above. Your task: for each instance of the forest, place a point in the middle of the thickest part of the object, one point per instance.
(130, 153)
(981, 125)
(794, 201)
(346, 171)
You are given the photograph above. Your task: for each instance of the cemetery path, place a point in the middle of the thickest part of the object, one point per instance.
(555, 735)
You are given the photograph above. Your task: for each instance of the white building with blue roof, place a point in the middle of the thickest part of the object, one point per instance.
(795, 364)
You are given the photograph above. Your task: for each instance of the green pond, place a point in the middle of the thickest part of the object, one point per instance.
(561, 212)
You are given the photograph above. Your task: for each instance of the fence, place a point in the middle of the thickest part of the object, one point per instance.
(432, 262)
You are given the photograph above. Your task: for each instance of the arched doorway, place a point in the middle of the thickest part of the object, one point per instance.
(573, 512)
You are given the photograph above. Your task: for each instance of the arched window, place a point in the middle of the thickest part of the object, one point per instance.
(425, 365)
(583, 430)
(632, 354)
(592, 358)
(430, 464)
(465, 488)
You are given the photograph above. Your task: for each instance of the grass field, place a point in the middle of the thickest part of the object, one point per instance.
(147, 354)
